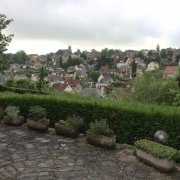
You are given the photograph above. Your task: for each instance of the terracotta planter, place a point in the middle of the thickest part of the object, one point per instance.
(100, 140)
(67, 131)
(17, 121)
(162, 164)
(37, 125)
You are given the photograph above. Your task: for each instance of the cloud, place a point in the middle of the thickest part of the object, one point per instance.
(93, 23)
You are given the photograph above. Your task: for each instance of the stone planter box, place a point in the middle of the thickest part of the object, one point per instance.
(17, 121)
(38, 125)
(67, 131)
(162, 164)
(100, 140)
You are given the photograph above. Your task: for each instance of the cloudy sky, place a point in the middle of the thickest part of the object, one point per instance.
(43, 26)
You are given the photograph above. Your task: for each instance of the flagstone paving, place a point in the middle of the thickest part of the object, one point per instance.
(32, 155)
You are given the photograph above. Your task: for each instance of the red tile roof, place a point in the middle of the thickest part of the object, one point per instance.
(170, 69)
(72, 82)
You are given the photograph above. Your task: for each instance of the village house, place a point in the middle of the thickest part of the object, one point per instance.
(103, 83)
(81, 73)
(104, 69)
(33, 57)
(131, 53)
(104, 75)
(124, 61)
(52, 79)
(35, 77)
(125, 71)
(71, 69)
(62, 87)
(15, 67)
(170, 71)
(75, 84)
(152, 66)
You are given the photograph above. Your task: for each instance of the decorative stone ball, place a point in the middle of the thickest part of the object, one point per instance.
(161, 137)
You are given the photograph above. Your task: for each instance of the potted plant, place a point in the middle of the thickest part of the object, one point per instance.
(158, 155)
(69, 127)
(37, 119)
(101, 135)
(12, 117)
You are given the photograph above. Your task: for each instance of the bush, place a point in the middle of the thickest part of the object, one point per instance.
(101, 127)
(12, 111)
(37, 113)
(72, 121)
(130, 121)
(158, 150)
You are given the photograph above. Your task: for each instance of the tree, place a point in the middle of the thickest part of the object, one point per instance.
(83, 54)
(134, 67)
(158, 48)
(94, 75)
(163, 54)
(60, 61)
(20, 57)
(41, 82)
(4, 40)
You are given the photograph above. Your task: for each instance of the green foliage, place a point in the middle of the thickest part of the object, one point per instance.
(134, 67)
(72, 121)
(94, 75)
(130, 121)
(151, 88)
(4, 40)
(163, 54)
(37, 113)
(20, 91)
(42, 84)
(72, 62)
(84, 84)
(101, 127)
(12, 111)
(20, 83)
(19, 57)
(83, 55)
(158, 150)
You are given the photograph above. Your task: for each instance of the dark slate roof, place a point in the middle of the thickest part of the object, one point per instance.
(91, 92)
(105, 80)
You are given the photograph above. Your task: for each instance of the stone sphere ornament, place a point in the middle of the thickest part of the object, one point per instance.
(161, 137)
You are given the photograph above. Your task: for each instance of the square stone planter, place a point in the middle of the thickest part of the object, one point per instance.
(67, 131)
(38, 125)
(100, 140)
(162, 164)
(17, 121)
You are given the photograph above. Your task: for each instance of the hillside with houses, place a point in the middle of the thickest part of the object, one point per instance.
(90, 73)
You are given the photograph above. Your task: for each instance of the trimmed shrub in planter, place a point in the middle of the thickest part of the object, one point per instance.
(100, 135)
(70, 127)
(12, 118)
(158, 155)
(37, 119)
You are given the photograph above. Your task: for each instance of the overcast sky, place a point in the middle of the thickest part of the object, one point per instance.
(43, 26)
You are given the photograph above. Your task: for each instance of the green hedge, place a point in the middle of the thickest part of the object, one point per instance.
(129, 121)
(19, 90)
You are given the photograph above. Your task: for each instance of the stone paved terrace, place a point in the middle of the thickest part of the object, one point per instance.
(31, 155)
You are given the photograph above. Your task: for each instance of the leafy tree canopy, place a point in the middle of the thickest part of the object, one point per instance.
(4, 41)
